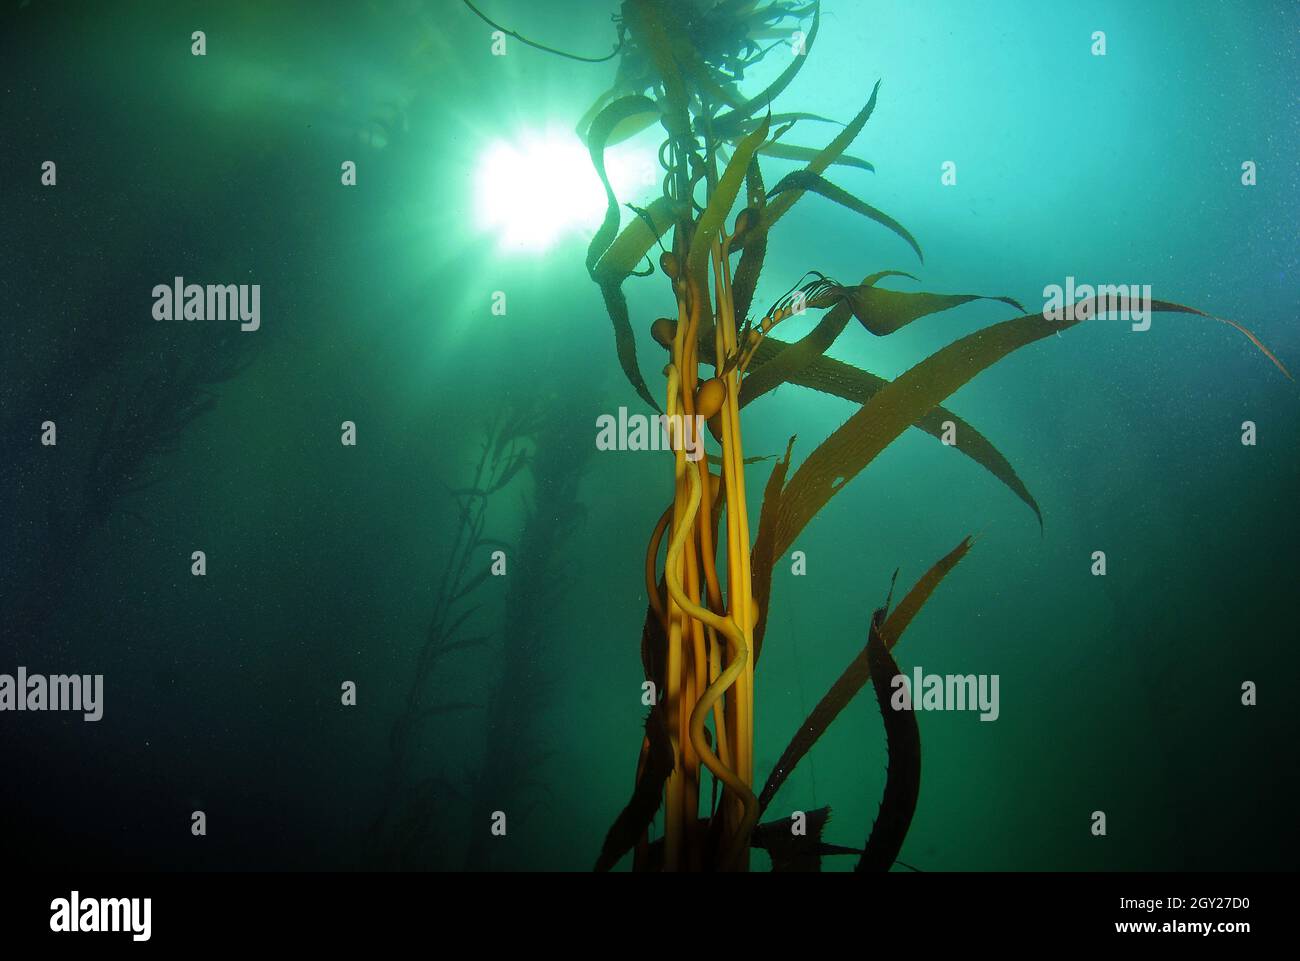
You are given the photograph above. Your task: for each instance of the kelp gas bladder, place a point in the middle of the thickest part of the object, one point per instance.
(682, 65)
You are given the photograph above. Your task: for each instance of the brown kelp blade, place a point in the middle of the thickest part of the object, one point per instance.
(885, 311)
(827, 156)
(735, 131)
(795, 357)
(755, 246)
(903, 401)
(769, 369)
(814, 182)
(724, 195)
(773, 89)
(901, 616)
(623, 110)
(792, 852)
(835, 377)
(583, 126)
(903, 774)
(857, 673)
(624, 339)
(786, 151)
(602, 128)
(633, 820)
(627, 251)
(761, 558)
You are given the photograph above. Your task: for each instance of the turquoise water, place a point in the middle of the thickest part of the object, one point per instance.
(1119, 693)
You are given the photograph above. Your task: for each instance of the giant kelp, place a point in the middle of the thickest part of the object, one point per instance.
(510, 775)
(524, 445)
(708, 637)
(682, 63)
(122, 398)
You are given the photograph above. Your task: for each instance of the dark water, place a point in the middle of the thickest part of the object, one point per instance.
(223, 693)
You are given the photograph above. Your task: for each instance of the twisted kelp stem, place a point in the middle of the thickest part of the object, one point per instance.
(700, 676)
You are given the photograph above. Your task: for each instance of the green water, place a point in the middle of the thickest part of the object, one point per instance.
(1119, 693)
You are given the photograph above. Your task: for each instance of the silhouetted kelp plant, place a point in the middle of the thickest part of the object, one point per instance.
(510, 776)
(681, 64)
(525, 440)
(112, 400)
(416, 791)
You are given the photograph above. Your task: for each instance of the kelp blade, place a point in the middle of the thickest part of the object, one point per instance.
(884, 312)
(903, 773)
(835, 377)
(824, 158)
(903, 401)
(808, 180)
(602, 128)
(624, 339)
(857, 673)
(724, 195)
(770, 93)
(627, 251)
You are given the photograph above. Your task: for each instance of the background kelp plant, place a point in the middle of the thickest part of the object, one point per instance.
(681, 64)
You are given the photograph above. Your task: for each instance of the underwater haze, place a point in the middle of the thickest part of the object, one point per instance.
(365, 591)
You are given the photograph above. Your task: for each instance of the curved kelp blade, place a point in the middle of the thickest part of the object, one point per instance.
(792, 852)
(857, 673)
(633, 820)
(787, 151)
(824, 159)
(619, 112)
(761, 558)
(885, 311)
(809, 180)
(903, 401)
(627, 251)
(903, 774)
(770, 93)
(733, 131)
(624, 339)
(750, 266)
(584, 123)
